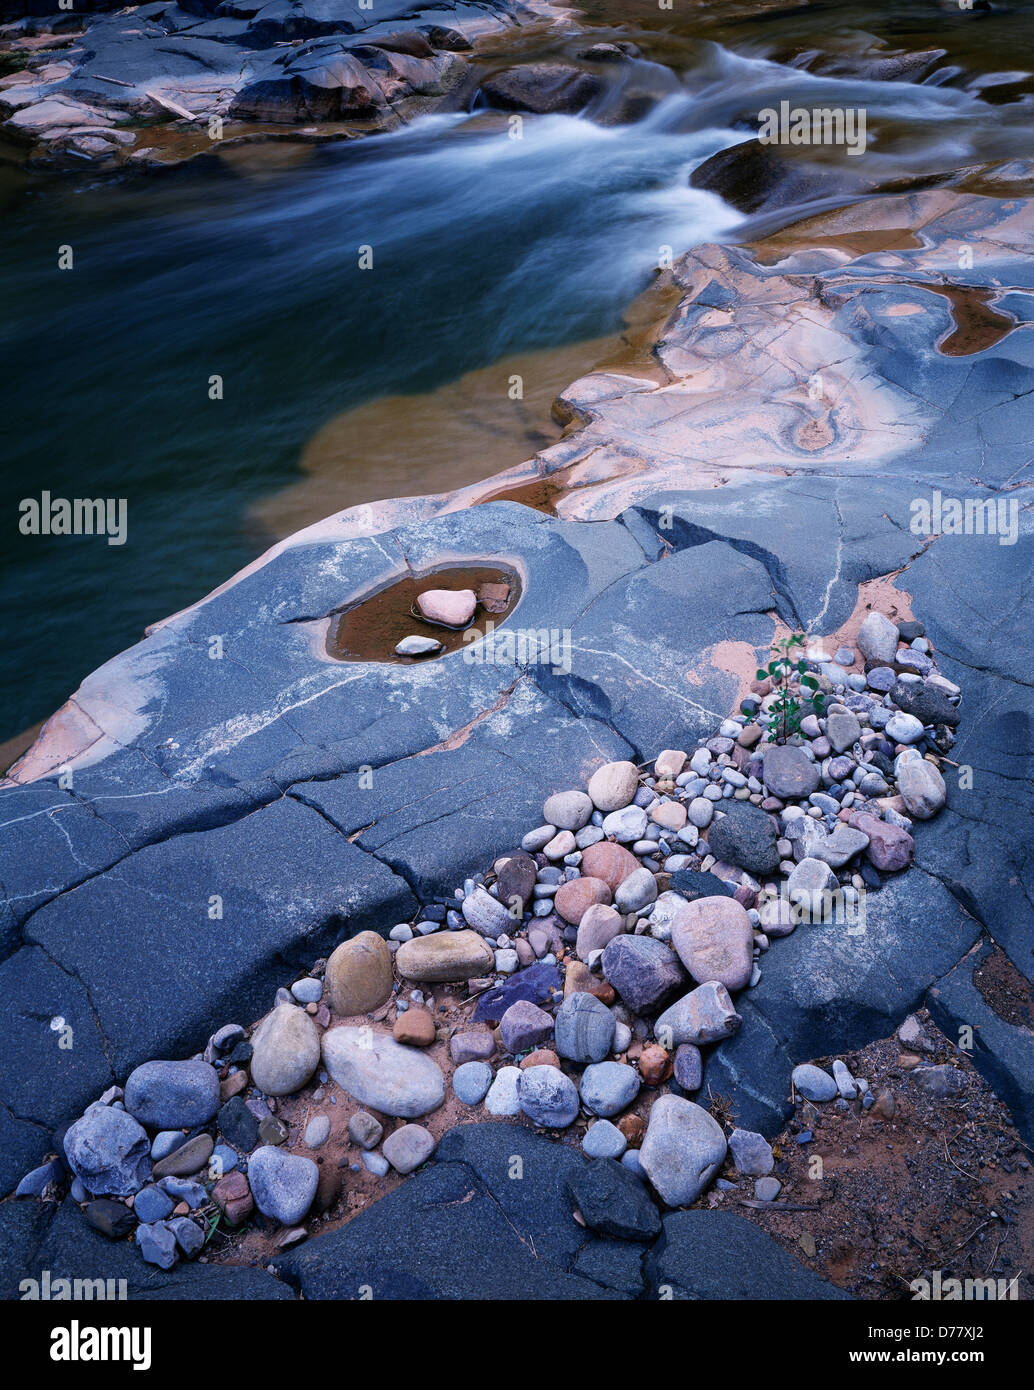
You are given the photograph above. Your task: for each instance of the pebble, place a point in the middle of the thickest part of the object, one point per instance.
(417, 646)
(375, 1163)
(613, 786)
(414, 1028)
(365, 1129)
(536, 840)
(232, 1196)
(157, 1244)
(845, 1081)
(308, 990)
(682, 1151)
(705, 1015)
(184, 1190)
(639, 889)
(381, 1073)
(714, 940)
(282, 1184)
(317, 1131)
(359, 975)
(751, 1152)
(108, 1151)
(474, 1045)
(447, 607)
(920, 784)
(688, 1067)
(165, 1141)
(626, 825)
(502, 1097)
(813, 1083)
(904, 728)
(448, 957)
(570, 810)
(152, 1204)
(524, 1025)
(604, 1140)
(189, 1236)
(471, 1081)
(408, 1147)
(609, 1087)
(548, 1097)
(584, 1028)
(789, 772)
(767, 1189)
(188, 1160)
(877, 639)
(286, 1050)
(574, 898)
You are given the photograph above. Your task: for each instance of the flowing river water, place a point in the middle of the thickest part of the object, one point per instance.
(493, 257)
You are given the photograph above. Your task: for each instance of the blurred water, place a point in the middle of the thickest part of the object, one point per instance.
(483, 246)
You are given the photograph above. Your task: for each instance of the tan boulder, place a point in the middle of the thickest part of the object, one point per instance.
(445, 957)
(359, 977)
(285, 1051)
(614, 785)
(599, 926)
(714, 940)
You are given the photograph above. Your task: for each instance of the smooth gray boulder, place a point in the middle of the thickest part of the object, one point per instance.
(383, 1074)
(282, 1184)
(682, 1151)
(173, 1095)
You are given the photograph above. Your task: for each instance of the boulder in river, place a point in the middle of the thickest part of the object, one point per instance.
(542, 88)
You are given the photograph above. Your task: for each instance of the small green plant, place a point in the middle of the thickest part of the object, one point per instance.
(786, 709)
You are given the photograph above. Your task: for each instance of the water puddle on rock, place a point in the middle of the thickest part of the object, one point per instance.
(371, 629)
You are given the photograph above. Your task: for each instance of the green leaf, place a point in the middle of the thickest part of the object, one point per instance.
(810, 682)
(773, 667)
(802, 666)
(761, 675)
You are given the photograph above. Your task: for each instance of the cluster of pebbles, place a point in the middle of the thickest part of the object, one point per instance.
(594, 962)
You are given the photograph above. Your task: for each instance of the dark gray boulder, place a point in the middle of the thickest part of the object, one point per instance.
(716, 1255)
